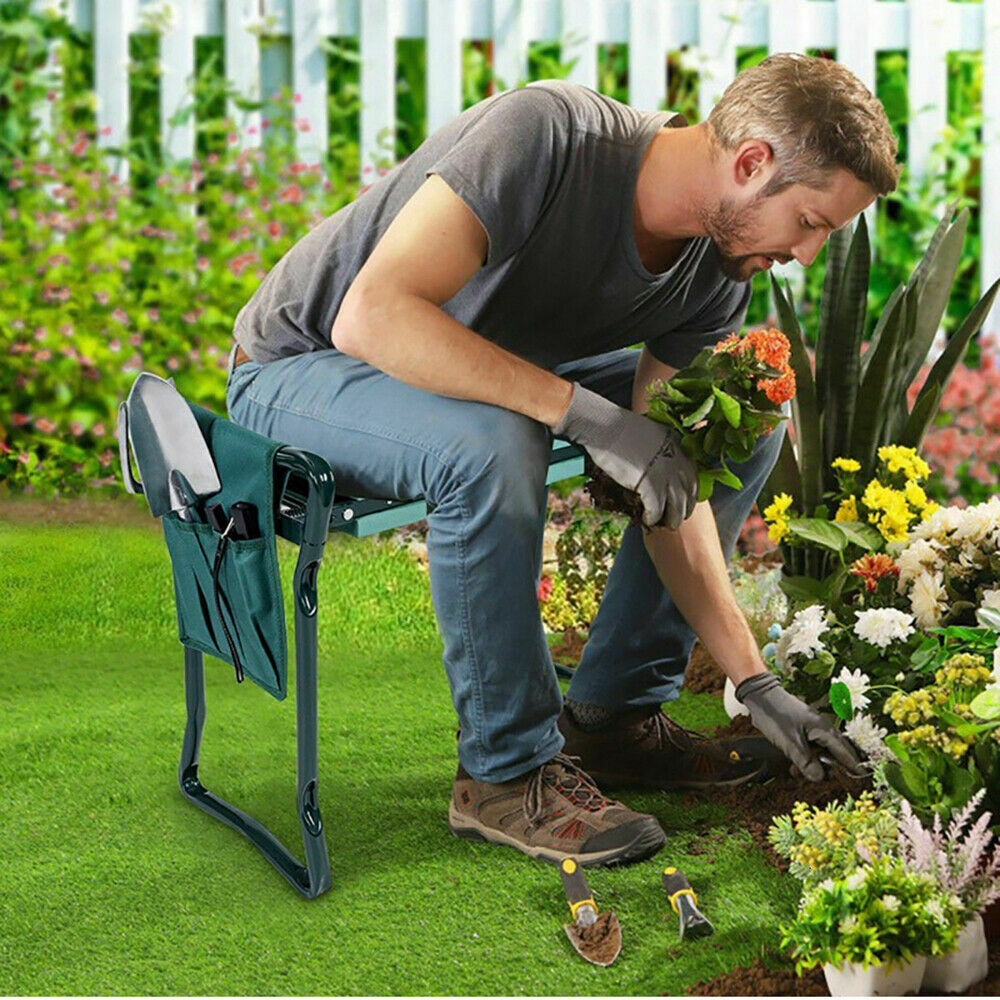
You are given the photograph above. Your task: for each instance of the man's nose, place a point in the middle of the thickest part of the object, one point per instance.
(807, 251)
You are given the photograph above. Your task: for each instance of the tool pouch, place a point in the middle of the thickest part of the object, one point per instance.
(249, 580)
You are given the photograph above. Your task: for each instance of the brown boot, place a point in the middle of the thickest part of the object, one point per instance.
(645, 748)
(552, 813)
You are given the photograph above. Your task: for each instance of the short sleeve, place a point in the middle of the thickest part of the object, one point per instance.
(723, 315)
(507, 164)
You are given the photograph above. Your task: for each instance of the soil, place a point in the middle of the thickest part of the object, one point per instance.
(757, 980)
(601, 941)
(608, 495)
(703, 674)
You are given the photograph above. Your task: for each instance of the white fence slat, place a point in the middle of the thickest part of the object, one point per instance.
(786, 27)
(990, 181)
(378, 88)
(856, 51)
(177, 59)
(242, 20)
(927, 81)
(510, 46)
(111, 76)
(579, 39)
(647, 60)
(715, 53)
(309, 78)
(444, 64)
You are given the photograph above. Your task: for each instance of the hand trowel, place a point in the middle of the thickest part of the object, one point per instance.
(596, 936)
(174, 460)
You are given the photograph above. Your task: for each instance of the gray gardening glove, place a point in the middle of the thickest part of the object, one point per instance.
(792, 725)
(637, 452)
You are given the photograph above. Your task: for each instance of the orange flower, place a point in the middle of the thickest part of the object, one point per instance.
(872, 567)
(771, 347)
(779, 390)
(732, 341)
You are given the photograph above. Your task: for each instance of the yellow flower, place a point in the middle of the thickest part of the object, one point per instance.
(899, 458)
(848, 510)
(847, 464)
(915, 495)
(777, 530)
(926, 513)
(873, 494)
(776, 510)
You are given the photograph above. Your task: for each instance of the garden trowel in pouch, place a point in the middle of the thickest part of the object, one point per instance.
(174, 462)
(596, 936)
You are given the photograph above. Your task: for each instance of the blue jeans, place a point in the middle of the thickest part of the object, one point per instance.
(482, 470)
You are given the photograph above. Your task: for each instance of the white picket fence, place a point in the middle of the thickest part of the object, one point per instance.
(856, 29)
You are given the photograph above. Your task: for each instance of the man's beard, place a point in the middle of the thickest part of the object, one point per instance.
(728, 225)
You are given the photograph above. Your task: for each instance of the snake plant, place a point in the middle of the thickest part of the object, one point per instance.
(855, 402)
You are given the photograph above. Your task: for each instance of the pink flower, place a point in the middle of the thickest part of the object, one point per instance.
(43, 355)
(98, 430)
(76, 428)
(545, 586)
(20, 419)
(125, 265)
(106, 130)
(291, 195)
(44, 425)
(120, 315)
(173, 364)
(24, 458)
(80, 147)
(39, 333)
(274, 229)
(114, 345)
(153, 314)
(102, 297)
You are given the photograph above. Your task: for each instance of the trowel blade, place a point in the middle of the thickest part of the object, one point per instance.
(599, 943)
(165, 436)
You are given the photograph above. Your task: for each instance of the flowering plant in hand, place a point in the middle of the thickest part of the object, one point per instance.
(724, 400)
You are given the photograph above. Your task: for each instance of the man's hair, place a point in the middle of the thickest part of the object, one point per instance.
(816, 116)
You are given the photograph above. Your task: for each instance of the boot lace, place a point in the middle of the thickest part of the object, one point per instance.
(660, 725)
(564, 774)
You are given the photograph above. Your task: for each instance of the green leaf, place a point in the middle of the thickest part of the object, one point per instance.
(730, 406)
(701, 412)
(862, 535)
(802, 588)
(896, 745)
(819, 532)
(986, 704)
(840, 700)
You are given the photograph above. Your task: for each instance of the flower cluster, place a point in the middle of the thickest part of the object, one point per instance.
(770, 347)
(948, 563)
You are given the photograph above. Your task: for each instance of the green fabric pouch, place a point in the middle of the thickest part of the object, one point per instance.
(253, 603)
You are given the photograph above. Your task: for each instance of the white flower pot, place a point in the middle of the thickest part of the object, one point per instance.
(895, 980)
(959, 969)
(732, 706)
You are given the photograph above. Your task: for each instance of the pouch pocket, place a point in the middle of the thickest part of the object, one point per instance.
(248, 581)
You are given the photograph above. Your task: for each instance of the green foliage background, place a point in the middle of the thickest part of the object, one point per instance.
(149, 275)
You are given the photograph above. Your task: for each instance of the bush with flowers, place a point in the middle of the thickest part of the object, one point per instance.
(724, 400)
(879, 914)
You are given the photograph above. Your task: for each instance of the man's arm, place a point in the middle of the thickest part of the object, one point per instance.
(391, 315)
(692, 567)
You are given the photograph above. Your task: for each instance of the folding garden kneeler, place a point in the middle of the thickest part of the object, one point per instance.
(294, 494)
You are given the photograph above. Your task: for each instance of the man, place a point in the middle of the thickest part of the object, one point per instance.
(430, 338)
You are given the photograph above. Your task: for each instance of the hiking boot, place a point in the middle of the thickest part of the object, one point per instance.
(645, 748)
(552, 813)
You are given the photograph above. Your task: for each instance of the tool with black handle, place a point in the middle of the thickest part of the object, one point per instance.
(684, 902)
(596, 936)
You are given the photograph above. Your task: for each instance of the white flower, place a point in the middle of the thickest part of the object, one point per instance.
(806, 628)
(928, 599)
(991, 599)
(856, 879)
(915, 558)
(848, 924)
(857, 683)
(866, 734)
(901, 676)
(890, 903)
(882, 626)
(977, 522)
(826, 884)
(936, 910)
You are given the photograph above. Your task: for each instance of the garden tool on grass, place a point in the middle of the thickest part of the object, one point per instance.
(174, 461)
(684, 903)
(596, 936)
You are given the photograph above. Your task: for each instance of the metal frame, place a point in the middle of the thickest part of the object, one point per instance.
(305, 513)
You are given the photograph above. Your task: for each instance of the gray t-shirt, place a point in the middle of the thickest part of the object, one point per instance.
(549, 169)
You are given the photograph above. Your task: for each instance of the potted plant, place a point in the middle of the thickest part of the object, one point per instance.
(874, 929)
(962, 867)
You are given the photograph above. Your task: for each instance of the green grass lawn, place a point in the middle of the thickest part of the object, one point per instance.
(114, 884)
